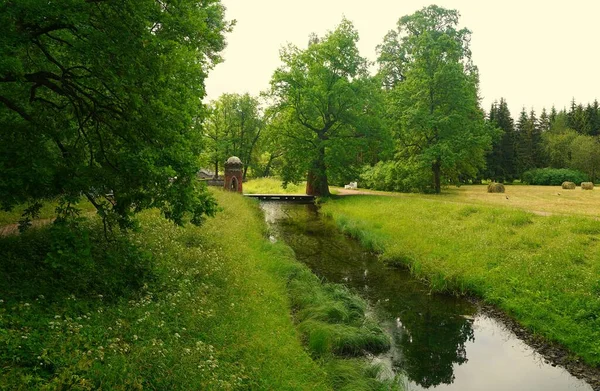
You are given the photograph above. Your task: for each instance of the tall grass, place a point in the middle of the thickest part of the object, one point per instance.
(174, 308)
(544, 271)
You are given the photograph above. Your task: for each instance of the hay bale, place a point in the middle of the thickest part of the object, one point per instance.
(587, 185)
(568, 185)
(495, 188)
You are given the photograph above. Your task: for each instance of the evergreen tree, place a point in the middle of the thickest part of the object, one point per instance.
(534, 128)
(501, 160)
(544, 121)
(591, 119)
(529, 142)
(553, 114)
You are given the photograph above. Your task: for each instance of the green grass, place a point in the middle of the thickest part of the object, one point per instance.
(544, 271)
(48, 211)
(211, 307)
(537, 199)
(272, 185)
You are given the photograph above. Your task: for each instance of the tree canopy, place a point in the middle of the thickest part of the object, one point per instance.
(433, 99)
(232, 128)
(99, 97)
(330, 105)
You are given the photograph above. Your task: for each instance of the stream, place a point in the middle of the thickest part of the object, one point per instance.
(439, 342)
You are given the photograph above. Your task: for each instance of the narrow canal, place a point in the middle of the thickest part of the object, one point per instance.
(439, 342)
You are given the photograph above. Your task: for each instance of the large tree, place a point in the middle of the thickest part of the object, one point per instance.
(99, 97)
(330, 103)
(434, 103)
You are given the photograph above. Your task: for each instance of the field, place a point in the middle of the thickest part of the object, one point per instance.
(541, 268)
(542, 200)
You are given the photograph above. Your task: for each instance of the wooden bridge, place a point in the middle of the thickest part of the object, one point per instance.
(300, 198)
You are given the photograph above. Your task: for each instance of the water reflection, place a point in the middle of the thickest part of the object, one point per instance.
(429, 331)
(434, 336)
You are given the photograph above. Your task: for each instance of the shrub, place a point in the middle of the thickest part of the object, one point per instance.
(552, 176)
(396, 176)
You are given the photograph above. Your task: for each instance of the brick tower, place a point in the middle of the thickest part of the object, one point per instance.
(233, 174)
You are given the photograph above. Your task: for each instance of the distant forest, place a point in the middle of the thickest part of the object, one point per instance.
(565, 139)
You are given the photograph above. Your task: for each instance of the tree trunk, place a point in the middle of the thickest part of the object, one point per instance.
(317, 183)
(437, 172)
(267, 171)
(216, 176)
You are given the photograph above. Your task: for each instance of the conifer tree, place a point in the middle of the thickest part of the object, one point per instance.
(501, 161)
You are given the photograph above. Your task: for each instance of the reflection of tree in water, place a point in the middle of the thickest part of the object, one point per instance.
(433, 330)
(433, 343)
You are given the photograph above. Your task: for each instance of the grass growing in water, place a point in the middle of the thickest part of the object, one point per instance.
(542, 270)
(165, 308)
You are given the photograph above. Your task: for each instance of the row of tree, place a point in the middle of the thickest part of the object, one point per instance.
(327, 116)
(560, 139)
(414, 126)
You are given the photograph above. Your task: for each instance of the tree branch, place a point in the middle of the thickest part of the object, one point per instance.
(15, 108)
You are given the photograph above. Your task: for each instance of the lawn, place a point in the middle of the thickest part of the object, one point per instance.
(543, 270)
(272, 185)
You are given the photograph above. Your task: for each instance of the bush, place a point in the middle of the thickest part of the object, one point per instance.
(72, 259)
(552, 176)
(396, 176)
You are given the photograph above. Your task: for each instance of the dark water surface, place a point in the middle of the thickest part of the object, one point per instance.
(439, 342)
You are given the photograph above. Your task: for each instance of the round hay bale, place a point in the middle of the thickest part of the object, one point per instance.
(587, 185)
(568, 185)
(495, 188)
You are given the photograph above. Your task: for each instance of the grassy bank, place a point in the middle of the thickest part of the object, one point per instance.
(544, 271)
(175, 308)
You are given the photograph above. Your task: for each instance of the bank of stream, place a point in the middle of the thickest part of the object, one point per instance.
(439, 342)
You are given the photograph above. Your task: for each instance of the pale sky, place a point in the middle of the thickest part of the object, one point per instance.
(534, 53)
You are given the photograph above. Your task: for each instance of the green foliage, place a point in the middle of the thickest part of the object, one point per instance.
(501, 160)
(329, 108)
(86, 105)
(71, 259)
(585, 152)
(553, 176)
(171, 307)
(434, 110)
(557, 146)
(272, 186)
(528, 143)
(396, 176)
(233, 127)
(541, 270)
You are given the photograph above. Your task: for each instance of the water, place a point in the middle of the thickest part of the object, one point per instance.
(439, 342)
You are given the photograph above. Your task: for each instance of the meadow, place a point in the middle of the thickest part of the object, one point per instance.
(213, 307)
(271, 185)
(543, 269)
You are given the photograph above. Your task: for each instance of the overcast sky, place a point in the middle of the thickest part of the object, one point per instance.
(534, 53)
